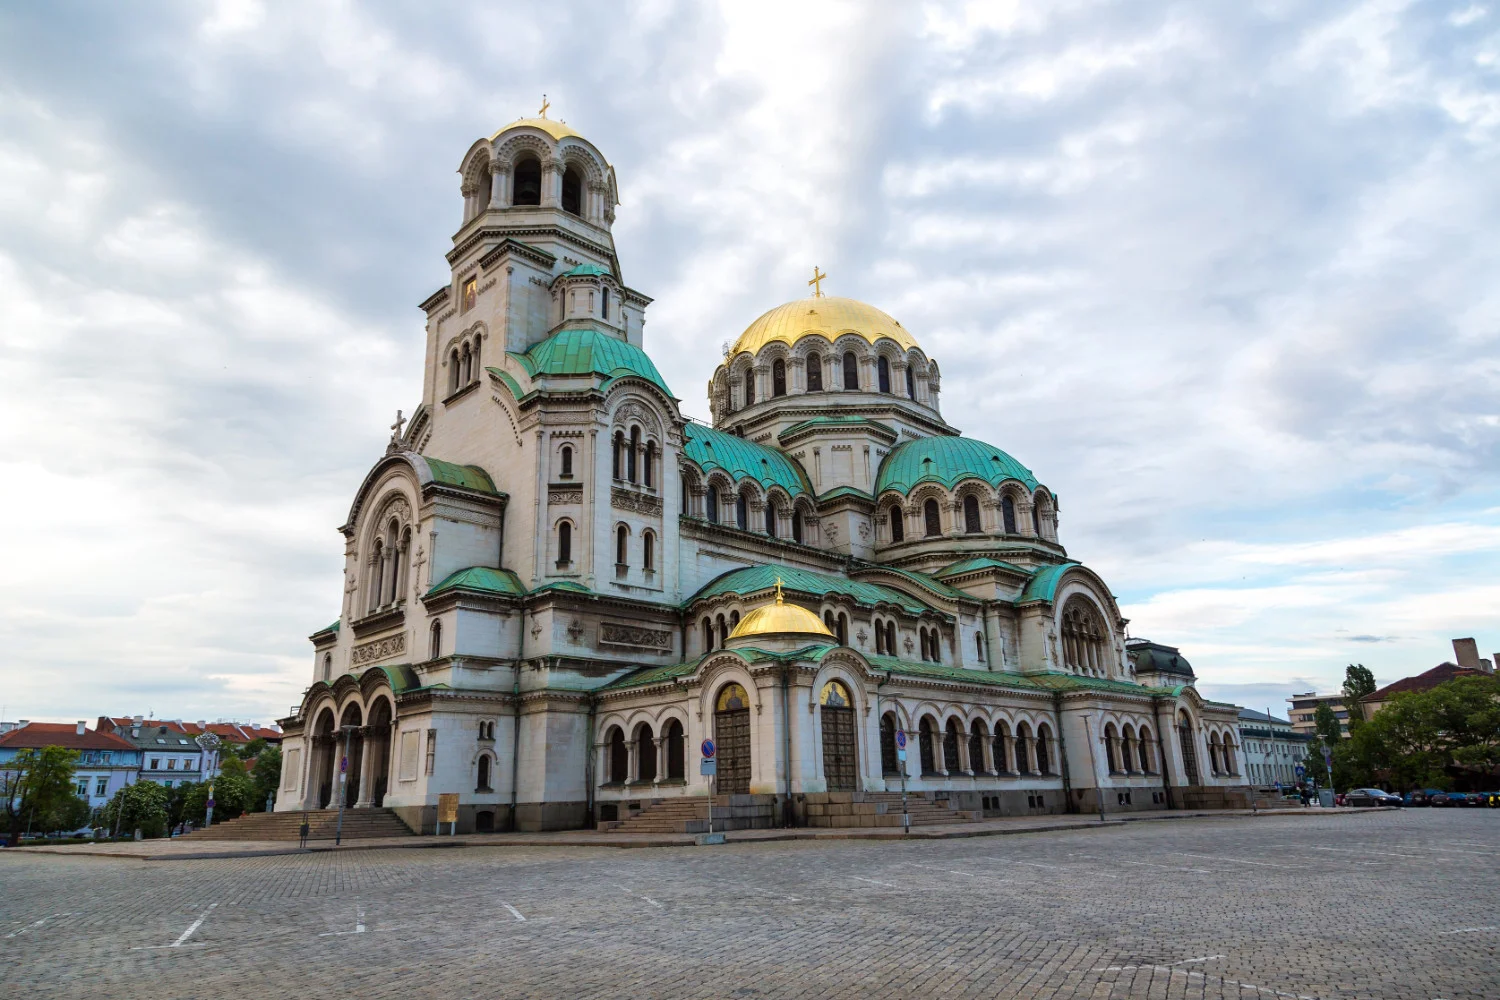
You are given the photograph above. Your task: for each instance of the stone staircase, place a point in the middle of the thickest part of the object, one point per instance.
(882, 809)
(359, 824)
(689, 814)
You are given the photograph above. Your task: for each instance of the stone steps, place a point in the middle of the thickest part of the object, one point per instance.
(686, 814)
(359, 824)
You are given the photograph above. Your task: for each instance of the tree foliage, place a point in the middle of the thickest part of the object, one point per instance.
(1327, 725)
(1358, 682)
(265, 776)
(35, 785)
(143, 806)
(1419, 739)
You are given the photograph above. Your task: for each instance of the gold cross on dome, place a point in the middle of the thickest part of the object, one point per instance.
(817, 282)
(543, 113)
(778, 590)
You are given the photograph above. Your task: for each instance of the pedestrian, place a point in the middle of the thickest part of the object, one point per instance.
(1305, 797)
(303, 831)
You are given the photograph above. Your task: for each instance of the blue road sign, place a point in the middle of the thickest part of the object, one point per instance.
(1301, 770)
(343, 764)
(708, 749)
(900, 739)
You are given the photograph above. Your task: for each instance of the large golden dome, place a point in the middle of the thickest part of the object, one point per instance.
(556, 129)
(828, 315)
(779, 619)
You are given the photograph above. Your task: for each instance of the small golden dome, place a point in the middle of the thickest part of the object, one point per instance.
(779, 618)
(828, 315)
(556, 129)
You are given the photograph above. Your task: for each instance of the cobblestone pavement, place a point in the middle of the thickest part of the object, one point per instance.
(1397, 904)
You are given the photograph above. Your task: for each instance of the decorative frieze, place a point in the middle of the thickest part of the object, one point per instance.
(573, 494)
(369, 652)
(638, 503)
(637, 636)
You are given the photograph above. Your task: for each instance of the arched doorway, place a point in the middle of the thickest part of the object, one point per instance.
(356, 744)
(379, 740)
(645, 754)
(732, 738)
(889, 762)
(1189, 751)
(840, 765)
(924, 746)
(676, 758)
(326, 761)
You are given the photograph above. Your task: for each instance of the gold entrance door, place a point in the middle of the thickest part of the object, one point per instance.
(732, 737)
(840, 763)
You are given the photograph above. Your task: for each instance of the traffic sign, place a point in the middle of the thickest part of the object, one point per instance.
(708, 749)
(901, 754)
(343, 764)
(708, 767)
(210, 803)
(1301, 770)
(900, 739)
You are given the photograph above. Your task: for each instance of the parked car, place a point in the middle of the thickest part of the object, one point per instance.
(1477, 799)
(1370, 797)
(1457, 799)
(1491, 799)
(1416, 797)
(1437, 797)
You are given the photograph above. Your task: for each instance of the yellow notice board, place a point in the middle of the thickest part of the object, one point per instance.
(448, 807)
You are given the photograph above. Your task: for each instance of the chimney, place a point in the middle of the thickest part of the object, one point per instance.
(1466, 652)
(139, 720)
(23, 723)
(81, 726)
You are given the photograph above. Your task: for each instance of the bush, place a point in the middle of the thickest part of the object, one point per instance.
(142, 806)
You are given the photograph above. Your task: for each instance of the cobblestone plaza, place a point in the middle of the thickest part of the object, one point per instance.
(1397, 904)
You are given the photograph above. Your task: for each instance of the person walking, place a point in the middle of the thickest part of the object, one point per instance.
(303, 831)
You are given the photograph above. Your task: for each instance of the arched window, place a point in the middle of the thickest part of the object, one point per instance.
(851, 370)
(676, 757)
(648, 550)
(619, 455)
(708, 634)
(932, 522)
(1036, 521)
(978, 737)
(567, 462)
(435, 641)
(889, 764)
(924, 746)
(771, 515)
(1001, 750)
(797, 525)
(650, 476)
(1083, 637)
(778, 378)
(749, 386)
(604, 303)
(979, 646)
(1112, 748)
(476, 358)
(453, 382)
(630, 458)
(713, 504)
(327, 666)
(741, 512)
(528, 182)
(1023, 748)
(723, 630)
(564, 545)
(950, 748)
(1043, 753)
(911, 384)
(883, 373)
(377, 573)
(465, 364)
(890, 637)
(971, 514)
(815, 372)
(879, 639)
(622, 545)
(843, 629)
(687, 496)
(1008, 514)
(898, 524)
(1127, 749)
(1145, 751)
(645, 754)
(483, 784)
(572, 191)
(619, 756)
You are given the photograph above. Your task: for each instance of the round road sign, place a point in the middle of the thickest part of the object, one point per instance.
(708, 749)
(900, 739)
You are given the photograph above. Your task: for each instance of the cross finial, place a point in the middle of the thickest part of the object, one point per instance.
(543, 113)
(778, 590)
(396, 427)
(817, 282)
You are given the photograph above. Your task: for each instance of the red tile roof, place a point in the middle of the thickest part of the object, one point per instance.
(61, 734)
(230, 732)
(1425, 681)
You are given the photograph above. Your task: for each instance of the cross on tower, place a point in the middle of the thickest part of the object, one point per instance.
(817, 282)
(543, 113)
(396, 427)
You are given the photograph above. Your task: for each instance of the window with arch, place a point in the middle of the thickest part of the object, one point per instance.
(1043, 749)
(749, 386)
(618, 455)
(1112, 748)
(708, 634)
(971, 515)
(631, 472)
(604, 303)
(1231, 764)
(772, 513)
(1083, 636)
(741, 511)
(932, 521)
(778, 378)
(1036, 521)
(566, 462)
(979, 737)
(979, 646)
(713, 504)
(815, 372)
(797, 525)
(564, 545)
(648, 550)
(925, 749)
(851, 370)
(645, 753)
(483, 782)
(453, 365)
(327, 665)
(890, 637)
(898, 524)
(650, 474)
(842, 629)
(528, 181)
(723, 633)
(1008, 515)
(950, 748)
(1024, 746)
(572, 191)
(889, 764)
(883, 373)
(1127, 749)
(911, 384)
(879, 637)
(619, 756)
(1001, 749)
(622, 546)
(676, 747)
(435, 640)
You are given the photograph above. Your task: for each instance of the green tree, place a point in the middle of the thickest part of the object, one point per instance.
(1358, 682)
(1327, 725)
(234, 790)
(35, 783)
(265, 777)
(1418, 736)
(177, 803)
(65, 816)
(248, 751)
(1313, 767)
(142, 806)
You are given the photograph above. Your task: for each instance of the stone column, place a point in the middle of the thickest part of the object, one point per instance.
(366, 768)
(552, 172)
(987, 754)
(632, 766)
(499, 183)
(661, 759)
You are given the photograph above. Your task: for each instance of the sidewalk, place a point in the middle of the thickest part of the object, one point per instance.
(186, 850)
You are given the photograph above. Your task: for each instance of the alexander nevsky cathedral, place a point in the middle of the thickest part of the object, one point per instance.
(557, 586)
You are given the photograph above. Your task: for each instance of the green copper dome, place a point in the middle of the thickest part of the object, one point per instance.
(587, 351)
(948, 460)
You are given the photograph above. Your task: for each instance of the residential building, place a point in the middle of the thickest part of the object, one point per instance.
(106, 763)
(170, 754)
(1469, 665)
(1273, 748)
(1305, 709)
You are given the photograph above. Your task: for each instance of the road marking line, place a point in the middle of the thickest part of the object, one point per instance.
(28, 927)
(1148, 864)
(951, 871)
(1393, 854)
(179, 943)
(653, 902)
(1012, 861)
(1199, 975)
(1190, 961)
(1242, 861)
(873, 882)
(1472, 930)
(359, 924)
(514, 912)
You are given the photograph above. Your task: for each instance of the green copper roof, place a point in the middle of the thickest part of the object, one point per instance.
(583, 351)
(510, 383)
(1043, 585)
(587, 271)
(948, 460)
(484, 579)
(567, 585)
(962, 675)
(834, 421)
(839, 492)
(754, 579)
(402, 677)
(331, 628)
(1070, 682)
(926, 583)
(710, 449)
(468, 477)
(977, 563)
(653, 675)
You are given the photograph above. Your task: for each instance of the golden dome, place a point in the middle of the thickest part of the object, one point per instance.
(556, 129)
(779, 618)
(828, 315)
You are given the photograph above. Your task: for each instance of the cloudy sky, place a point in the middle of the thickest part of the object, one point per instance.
(1226, 276)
